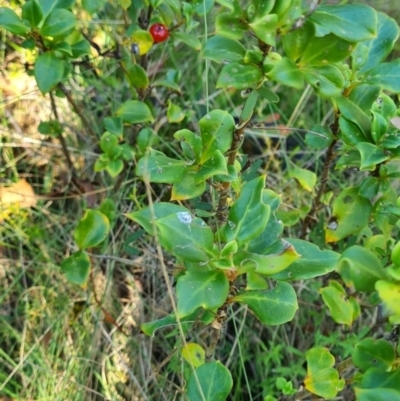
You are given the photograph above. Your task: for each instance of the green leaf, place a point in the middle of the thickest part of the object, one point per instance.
(201, 289)
(134, 112)
(390, 295)
(373, 353)
(186, 237)
(147, 216)
(146, 138)
(287, 73)
(306, 178)
(327, 80)
(265, 28)
(81, 48)
(335, 299)
(379, 126)
(62, 47)
(378, 394)
(49, 71)
(191, 144)
(230, 26)
(10, 21)
(137, 76)
(249, 215)
(213, 166)
(60, 22)
(189, 187)
(386, 75)
(350, 214)
(268, 94)
(77, 268)
(108, 142)
(91, 230)
(380, 47)
(360, 268)
(114, 125)
(266, 264)
(115, 167)
(351, 134)
(210, 382)
(52, 127)
(326, 50)
(194, 354)
(371, 155)
(216, 130)
(364, 96)
(174, 113)
(156, 167)
(296, 42)
(32, 12)
(321, 141)
(352, 112)
(352, 22)
(92, 6)
(249, 107)
(369, 187)
(313, 262)
(376, 378)
(239, 76)
(272, 307)
(188, 39)
(322, 379)
(220, 49)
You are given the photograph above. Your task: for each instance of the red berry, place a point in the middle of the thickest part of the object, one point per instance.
(159, 32)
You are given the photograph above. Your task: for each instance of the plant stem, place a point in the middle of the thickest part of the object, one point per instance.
(324, 180)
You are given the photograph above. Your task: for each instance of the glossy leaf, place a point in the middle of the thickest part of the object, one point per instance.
(174, 113)
(147, 216)
(352, 22)
(313, 262)
(327, 80)
(296, 42)
(380, 47)
(266, 264)
(373, 353)
(371, 155)
(76, 268)
(369, 188)
(12, 22)
(376, 378)
(390, 294)
(92, 229)
(137, 76)
(197, 289)
(220, 49)
(191, 186)
(265, 27)
(361, 268)
(239, 76)
(287, 73)
(134, 112)
(230, 26)
(326, 50)
(211, 381)
(249, 215)
(378, 394)
(336, 300)
(191, 144)
(351, 134)
(216, 130)
(185, 236)
(353, 113)
(115, 167)
(194, 354)
(156, 167)
(32, 12)
(188, 39)
(49, 71)
(213, 166)
(386, 75)
(306, 178)
(272, 307)
(350, 214)
(60, 22)
(81, 48)
(322, 379)
(364, 96)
